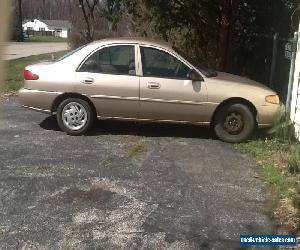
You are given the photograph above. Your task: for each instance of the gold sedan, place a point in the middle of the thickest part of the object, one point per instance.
(138, 79)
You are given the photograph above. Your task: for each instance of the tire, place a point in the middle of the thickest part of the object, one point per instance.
(234, 123)
(75, 116)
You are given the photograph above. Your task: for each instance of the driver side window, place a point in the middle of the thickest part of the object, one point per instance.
(118, 60)
(161, 64)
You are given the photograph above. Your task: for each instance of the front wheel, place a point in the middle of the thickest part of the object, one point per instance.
(234, 123)
(75, 116)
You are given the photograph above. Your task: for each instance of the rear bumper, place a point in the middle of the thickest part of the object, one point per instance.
(37, 100)
(269, 115)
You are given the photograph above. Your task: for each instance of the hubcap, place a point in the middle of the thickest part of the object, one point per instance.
(233, 123)
(74, 116)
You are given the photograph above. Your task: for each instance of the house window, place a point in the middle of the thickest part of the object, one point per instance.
(58, 32)
(42, 29)
(29, 28)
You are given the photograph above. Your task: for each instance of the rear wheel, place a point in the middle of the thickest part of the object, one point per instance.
(234, 123)
(75, 116)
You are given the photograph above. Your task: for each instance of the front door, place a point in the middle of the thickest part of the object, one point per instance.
(165, 91)
(108, 78)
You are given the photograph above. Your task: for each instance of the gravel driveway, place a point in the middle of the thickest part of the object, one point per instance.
(16, 50)
(124, 186)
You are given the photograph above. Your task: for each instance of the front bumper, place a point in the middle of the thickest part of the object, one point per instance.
(269, 115)
(37, 100)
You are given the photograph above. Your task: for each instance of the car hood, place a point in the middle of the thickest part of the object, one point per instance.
(239, 81)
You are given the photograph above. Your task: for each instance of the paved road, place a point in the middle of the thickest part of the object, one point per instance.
(16, 50)
(124, 186)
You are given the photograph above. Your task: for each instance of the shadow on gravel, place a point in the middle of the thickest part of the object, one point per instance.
(109, 127)
(50, 123)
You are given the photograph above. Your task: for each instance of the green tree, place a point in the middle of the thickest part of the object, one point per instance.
(111, 11)
(213, 31)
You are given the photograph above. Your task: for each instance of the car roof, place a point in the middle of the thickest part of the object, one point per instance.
(145, 41)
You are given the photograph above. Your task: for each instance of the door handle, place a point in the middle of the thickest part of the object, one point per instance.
(153, 85)
(87, 80)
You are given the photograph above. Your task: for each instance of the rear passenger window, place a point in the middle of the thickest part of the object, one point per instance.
(118, 60)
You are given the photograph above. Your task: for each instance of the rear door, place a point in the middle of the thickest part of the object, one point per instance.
(108, 77)
(165, 91)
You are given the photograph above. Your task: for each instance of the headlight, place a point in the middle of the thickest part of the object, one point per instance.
(273, 99)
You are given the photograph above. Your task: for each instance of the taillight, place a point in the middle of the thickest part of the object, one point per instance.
(28, 75)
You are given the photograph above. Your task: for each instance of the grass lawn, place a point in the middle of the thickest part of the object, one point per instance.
(13, 69)
(45, 39)
(280, 168)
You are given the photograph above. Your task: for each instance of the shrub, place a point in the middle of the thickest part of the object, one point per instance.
(293, 161)
(78, 39)
(285, 131)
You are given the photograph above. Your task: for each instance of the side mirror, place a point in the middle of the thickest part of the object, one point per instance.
(194, 76)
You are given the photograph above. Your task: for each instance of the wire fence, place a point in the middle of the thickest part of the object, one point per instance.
(282, 66)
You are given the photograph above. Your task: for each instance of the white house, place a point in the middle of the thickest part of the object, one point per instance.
(59, 28)
(295, 103)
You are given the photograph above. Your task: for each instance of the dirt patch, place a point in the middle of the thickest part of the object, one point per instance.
(135, 149)
(286, 215)
(38, 169)
(95, 195)
(6, 95)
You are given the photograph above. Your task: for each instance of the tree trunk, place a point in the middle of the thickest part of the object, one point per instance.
(88, 34)
(88, 14)
(20, 37)
(224, 29)
(229, 66)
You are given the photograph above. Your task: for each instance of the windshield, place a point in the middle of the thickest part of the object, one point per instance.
(70, 53)
(208, 72)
